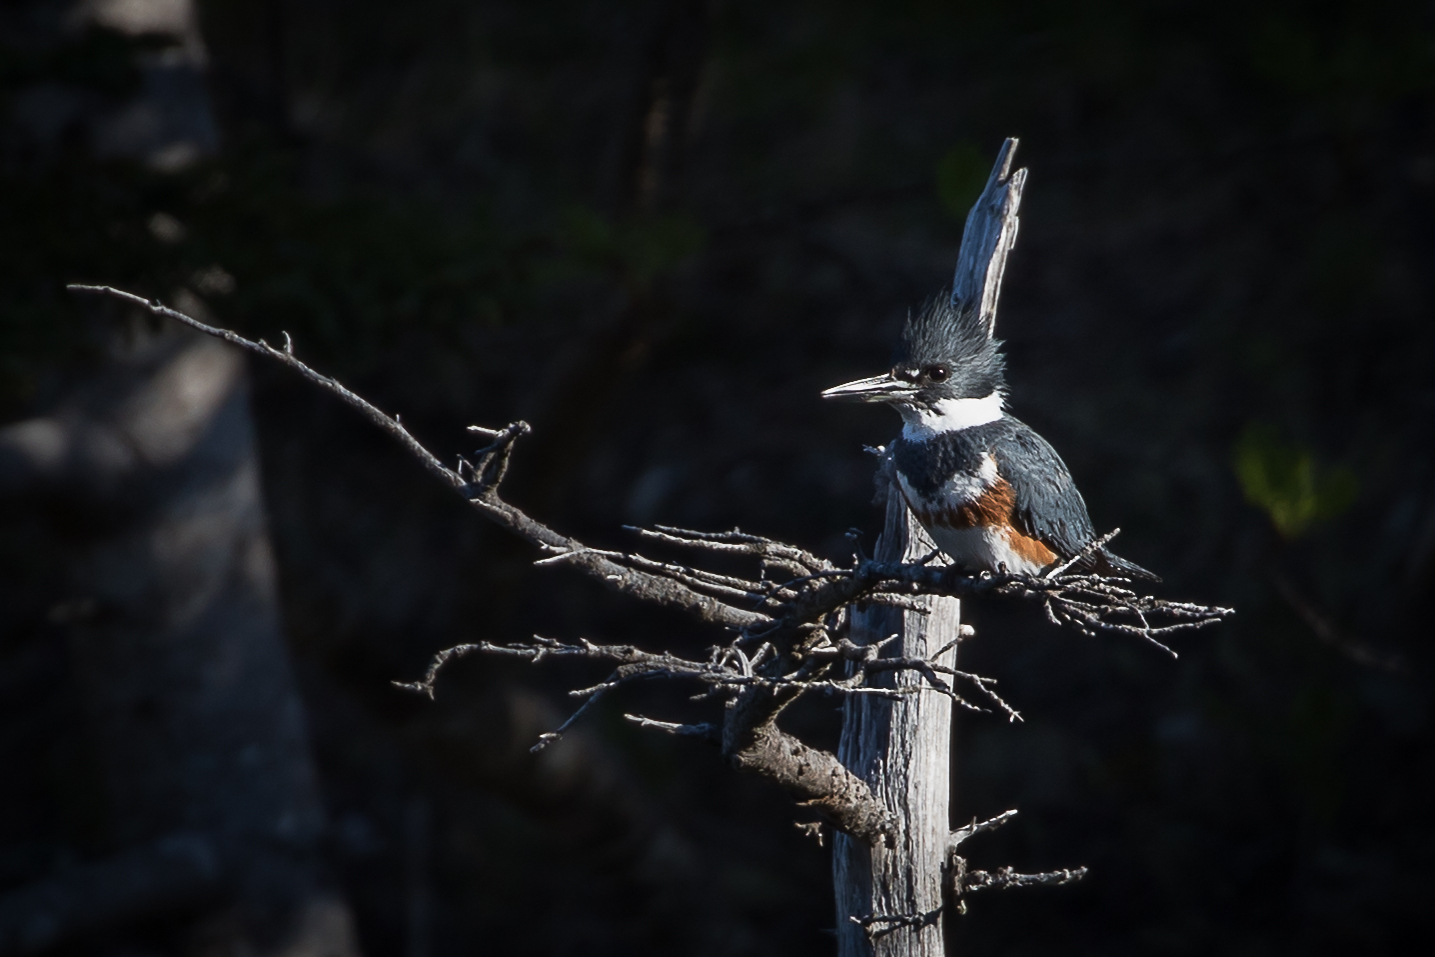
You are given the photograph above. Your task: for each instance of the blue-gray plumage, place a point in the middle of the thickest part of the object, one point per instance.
(992, 493)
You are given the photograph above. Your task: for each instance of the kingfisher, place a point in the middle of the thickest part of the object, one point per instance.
(993, 494)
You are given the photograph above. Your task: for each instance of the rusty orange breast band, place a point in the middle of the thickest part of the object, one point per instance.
(994, 508)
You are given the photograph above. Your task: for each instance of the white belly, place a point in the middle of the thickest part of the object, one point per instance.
(983, 548)
(977, 548)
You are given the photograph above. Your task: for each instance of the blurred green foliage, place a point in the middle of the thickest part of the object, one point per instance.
(1352, 51)
(961, 175)
(640, 249)
(1283, 479)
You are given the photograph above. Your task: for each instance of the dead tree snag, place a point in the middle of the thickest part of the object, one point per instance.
(797, 624)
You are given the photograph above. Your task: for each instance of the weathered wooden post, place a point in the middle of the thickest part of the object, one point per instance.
(890, 898)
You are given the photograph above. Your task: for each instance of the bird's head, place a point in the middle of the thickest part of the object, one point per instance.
(947, 372)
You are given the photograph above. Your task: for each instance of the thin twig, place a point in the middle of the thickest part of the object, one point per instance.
(1332, 634)
(878, 926)
(1084, 555)
(973, 829)
(706, 731)
(1007, 878)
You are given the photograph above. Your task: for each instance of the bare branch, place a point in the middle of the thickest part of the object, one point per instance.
(708, 732)
(544, 740)
(1007, 878)
(973, 829)
(482, 493)
(1332, 634)
(1091, 549)
(1087, 603)
(880, 925)
(786, 624)
(426, 686)
(817, 779)
(286, 357)
(735, 542)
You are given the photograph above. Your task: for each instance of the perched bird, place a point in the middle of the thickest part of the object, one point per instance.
(992, 493)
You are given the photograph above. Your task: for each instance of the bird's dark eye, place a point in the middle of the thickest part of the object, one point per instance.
(937, 373)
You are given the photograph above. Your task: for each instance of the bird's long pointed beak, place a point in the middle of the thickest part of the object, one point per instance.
(878, 388)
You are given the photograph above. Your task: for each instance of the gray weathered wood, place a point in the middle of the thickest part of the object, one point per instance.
(989, 236)
(902, 748)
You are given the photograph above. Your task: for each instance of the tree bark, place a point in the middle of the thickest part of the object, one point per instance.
(901, 749)
(889, 896)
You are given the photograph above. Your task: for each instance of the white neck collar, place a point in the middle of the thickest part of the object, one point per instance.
(950, 415)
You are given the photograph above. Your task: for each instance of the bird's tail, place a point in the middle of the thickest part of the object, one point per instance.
(1107, 563)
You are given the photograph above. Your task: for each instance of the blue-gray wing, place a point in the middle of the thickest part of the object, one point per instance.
(1048, 506)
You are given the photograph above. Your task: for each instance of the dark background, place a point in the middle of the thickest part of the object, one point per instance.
(657, 231)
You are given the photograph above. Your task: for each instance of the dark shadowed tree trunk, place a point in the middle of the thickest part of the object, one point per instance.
(176, 651)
